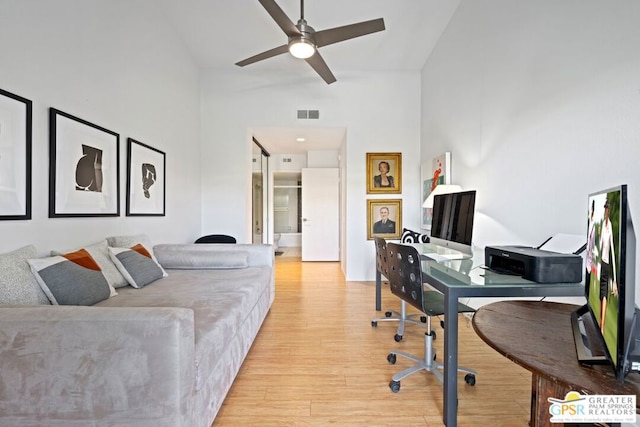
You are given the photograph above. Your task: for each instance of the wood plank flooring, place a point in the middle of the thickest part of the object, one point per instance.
(317, 361)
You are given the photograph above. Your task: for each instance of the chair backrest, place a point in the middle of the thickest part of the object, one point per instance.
(216, 238)
(405, 274)
(382, 263)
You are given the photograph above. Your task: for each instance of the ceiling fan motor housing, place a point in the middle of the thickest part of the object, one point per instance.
(304, 42)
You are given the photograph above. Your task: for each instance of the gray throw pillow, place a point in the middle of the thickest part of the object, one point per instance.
(18, 285)
(100, 253)
(137, 265)
(71, 279)
(129, 241)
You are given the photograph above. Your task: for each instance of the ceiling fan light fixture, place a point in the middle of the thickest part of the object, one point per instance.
(302, 48)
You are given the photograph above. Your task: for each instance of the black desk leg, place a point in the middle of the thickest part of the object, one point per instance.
(450, 409)
(378, 290)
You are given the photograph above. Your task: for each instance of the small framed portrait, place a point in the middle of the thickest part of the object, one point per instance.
(384, 218)
(384, 173)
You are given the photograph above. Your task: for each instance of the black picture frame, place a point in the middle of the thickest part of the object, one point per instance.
(16, 115)
(146, 180)
(84, 168)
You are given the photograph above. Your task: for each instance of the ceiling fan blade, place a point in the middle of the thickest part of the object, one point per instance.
(321, 67)
(280, 17)
(264, 55)
(338, 34)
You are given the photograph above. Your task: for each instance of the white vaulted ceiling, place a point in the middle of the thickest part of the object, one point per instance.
(219, 33)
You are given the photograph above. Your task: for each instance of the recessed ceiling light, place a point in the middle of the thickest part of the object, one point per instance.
(300, 139)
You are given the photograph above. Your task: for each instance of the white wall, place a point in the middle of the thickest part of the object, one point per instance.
(323, 159)
(117, 64)
(379, 111)
(539, 104)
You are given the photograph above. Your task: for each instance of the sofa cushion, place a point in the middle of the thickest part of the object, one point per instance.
(136, 265)
(223, 302)
(410, 236)
(18, 285)
(71, 279)
(184, 259)
(100, 253)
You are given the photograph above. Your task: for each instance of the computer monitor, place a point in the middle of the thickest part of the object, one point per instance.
(452, 221)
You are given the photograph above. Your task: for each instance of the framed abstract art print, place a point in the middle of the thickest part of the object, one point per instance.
(15, 156)
(146, 175)
(84, 168)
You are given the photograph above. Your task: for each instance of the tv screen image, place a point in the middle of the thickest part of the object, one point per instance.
(609, 282)
(603, 272)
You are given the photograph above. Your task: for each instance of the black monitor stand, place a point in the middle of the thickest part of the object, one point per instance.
(632, 346)
(589, 346)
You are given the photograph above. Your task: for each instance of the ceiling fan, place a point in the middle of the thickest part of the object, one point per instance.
(304, 41)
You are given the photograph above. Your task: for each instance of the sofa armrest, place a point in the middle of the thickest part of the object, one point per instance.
(178, 255)
(86, 365)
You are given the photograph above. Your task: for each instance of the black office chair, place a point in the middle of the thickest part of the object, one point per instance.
(392, 315)
(216, 238)
(405, 280)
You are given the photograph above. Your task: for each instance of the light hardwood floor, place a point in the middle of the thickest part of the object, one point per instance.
(317, 361)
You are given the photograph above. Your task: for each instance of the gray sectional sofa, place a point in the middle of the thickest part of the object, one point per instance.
(162, 355)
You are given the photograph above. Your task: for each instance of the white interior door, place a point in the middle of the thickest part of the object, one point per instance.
(320, 214)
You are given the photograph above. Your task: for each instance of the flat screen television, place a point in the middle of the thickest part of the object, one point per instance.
(603, 327)
(452, 220)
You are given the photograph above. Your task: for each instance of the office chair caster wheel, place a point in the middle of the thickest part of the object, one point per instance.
(470, 379)
(394, 386)
(423, 319)
(391, 358)
(387, 314)
(434, 355)
(374, 324)
(442, 324)
(433, 335)
(397, 337)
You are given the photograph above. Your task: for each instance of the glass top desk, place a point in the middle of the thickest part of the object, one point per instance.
(434, 252)
(468, 278)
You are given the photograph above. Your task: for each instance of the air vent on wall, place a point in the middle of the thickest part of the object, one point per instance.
(308, 114)
(286, 160)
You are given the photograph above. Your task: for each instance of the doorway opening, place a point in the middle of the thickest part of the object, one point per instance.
(287, 212)
(259, 193)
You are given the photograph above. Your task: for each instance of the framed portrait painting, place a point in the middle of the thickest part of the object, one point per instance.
(84, 168)
(146, 175)
(15, 156)
(384, 218)
(434, 172)
(384, 173)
